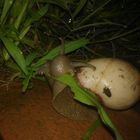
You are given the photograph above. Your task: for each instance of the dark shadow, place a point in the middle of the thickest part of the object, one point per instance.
(1, 137)
(137, 107)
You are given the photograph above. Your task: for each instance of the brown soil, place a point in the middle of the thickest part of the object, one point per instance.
(31, 116)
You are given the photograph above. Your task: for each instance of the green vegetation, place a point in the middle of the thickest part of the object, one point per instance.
(30, 33)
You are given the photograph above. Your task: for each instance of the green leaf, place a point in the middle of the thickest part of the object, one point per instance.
(90, 131)
(78, 9)
(69, 47)
(26, 81)
(88, 98)
(23, 32)
(21, 14)
(5, 54)
(60, 3)
(13, 66)
(30, 58)
(118, 35)
(28, 42)
(36, 15)
(16, 53)
(96, 24)
(94, 12)
(56, 19)
(6, 7)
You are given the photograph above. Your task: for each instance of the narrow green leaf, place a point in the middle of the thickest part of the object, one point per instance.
(69, 47)
(79, 8)
(56, 19)
(26, 81)
(36, 15)
(21, 14)
(24, 31)
(6, 7)
(30, 58)
(116, 36)
(5, 54)
(28, 42)
(60, 3)
(90, 131)
(88, 98)
(80, 94)
(16, 53)
(14, 66)
(96, 25)
(94, 12)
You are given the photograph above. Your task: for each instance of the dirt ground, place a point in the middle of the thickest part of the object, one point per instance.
(31, 116)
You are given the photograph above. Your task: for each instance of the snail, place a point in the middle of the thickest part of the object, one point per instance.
(115, 81)
(62, 99)
(60, 65)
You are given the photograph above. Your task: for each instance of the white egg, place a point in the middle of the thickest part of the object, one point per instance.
(115, 81)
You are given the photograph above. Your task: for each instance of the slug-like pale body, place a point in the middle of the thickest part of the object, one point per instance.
(115, 81)
(61, 65)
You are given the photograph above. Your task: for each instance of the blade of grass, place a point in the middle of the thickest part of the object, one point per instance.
(59, 19)
(88, 98)
(90, 131)
(96, 25)
(27, 41)
(79, 8)
(60, 3)
(21, 14)
(5, 54)
(6, 7)
(16, 53)
(69, 47)
(34, 17)
(117, 36)
(94, 12)
(26, 81)
(24, 31)
(30, 57)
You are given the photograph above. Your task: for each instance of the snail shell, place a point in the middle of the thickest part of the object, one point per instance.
(115, 81)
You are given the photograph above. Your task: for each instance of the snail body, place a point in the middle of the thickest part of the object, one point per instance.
(61, 65)
(115, 81)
